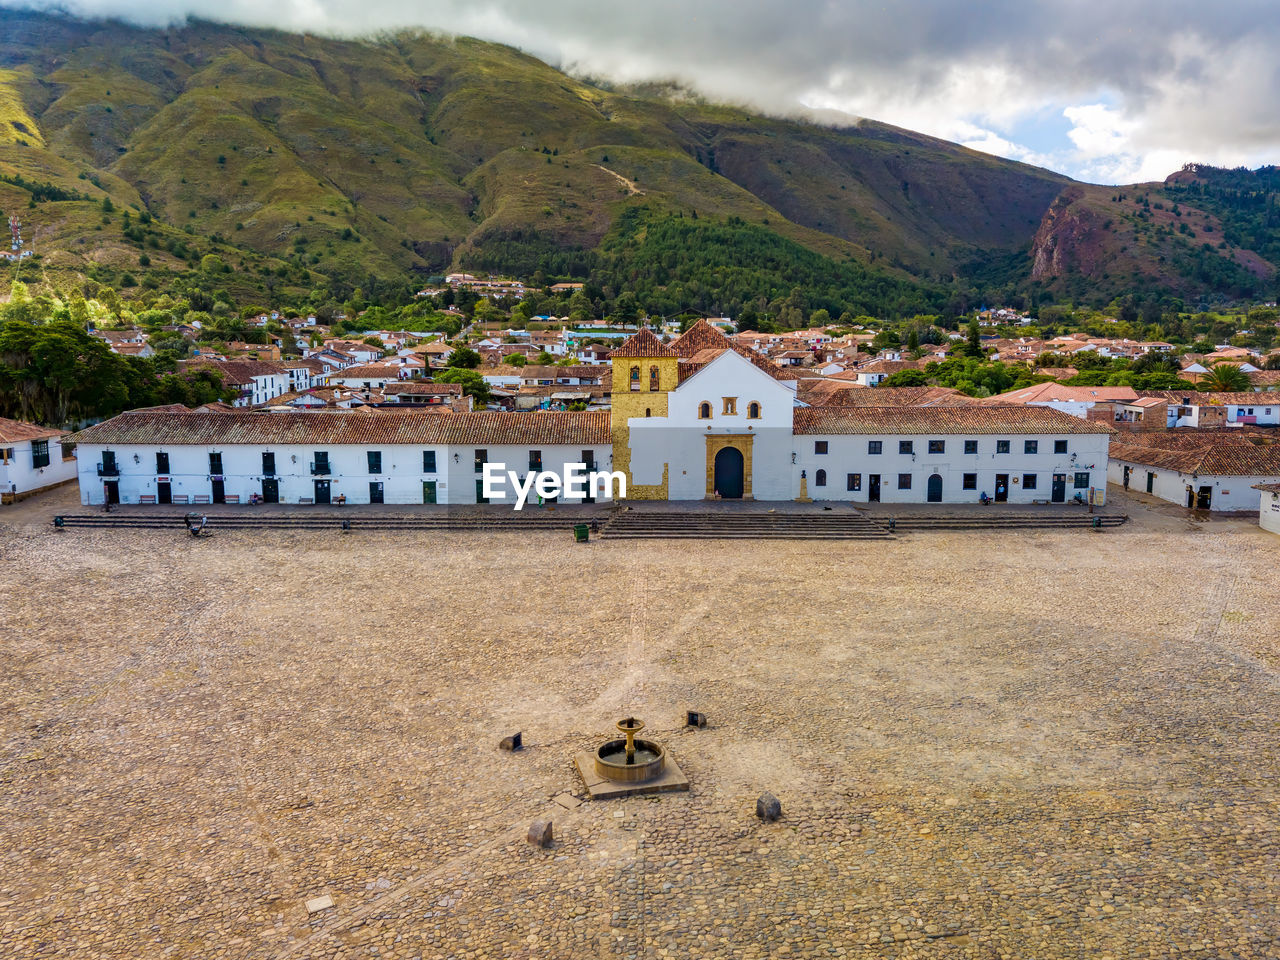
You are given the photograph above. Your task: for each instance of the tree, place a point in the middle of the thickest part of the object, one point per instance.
(973, 342)
(465, 358)
(211, 263)
(625, 308)
(884, 340)
(486, 312)
(544, 359)
(1226, 377)
(906, 378)
(515, 359)
(56, 372)
(473, 383)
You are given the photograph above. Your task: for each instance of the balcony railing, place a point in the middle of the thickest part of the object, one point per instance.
(320, 469)
(108, 470)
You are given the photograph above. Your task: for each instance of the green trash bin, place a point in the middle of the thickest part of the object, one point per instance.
(581, 532)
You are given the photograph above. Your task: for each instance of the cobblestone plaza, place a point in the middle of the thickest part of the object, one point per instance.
(986, 745)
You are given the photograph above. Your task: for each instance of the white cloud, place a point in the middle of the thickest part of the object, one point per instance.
(1143, 84)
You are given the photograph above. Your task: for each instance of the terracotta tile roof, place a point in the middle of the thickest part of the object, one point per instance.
(563, 389)
(967, 419)
(890, 366)
(370, 370)
(691, 365)
(1044, 392)
(551, 372)
(843, 394)
(1195, 398)
(643, 343)
(305, 428)
(423, 388)
(19, 431)
(172, 407)
(1217, 456)
(700, 336)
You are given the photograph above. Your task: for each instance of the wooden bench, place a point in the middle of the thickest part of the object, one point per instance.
(147, 498)
(306, 500)
(233, 498)
(200, 498)
(1045, 502)
(179, 498)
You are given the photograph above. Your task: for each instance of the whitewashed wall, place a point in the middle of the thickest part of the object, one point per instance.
(1269, 511)
(462, 475)
(1229, 493)
(19, 476)
(401, 475)
(679, 439)
(849, 454)
(1267, 411)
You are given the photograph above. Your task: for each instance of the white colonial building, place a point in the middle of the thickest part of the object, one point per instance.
(949, 454)
(1214, 472)
(31, 459)
(164, 456)
(697, 419)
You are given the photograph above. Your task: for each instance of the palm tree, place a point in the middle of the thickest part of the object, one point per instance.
(1225, 377)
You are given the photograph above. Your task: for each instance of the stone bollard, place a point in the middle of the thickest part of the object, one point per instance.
(540, 833)
(695, 719)
(767, 807)
(512, 743)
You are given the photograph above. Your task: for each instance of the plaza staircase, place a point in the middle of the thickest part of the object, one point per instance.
(1011, 522)
(611, 523)
(742, 525)
(496, 521)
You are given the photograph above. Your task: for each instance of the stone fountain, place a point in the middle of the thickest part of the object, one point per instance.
(627, 766)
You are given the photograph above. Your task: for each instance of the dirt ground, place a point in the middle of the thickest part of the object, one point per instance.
(1060, 744)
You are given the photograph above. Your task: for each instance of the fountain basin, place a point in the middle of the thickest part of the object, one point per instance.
(648, 763)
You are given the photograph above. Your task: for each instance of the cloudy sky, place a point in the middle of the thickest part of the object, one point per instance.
(1110, 91)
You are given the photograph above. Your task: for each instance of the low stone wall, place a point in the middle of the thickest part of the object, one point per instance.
(8, 498)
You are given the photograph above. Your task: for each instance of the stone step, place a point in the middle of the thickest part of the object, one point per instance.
(740, 535)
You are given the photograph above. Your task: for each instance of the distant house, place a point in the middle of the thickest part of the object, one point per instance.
(255, 381)
(305, 374)
(373, 376)
(31, 460)
(418, 393)
(877, 371)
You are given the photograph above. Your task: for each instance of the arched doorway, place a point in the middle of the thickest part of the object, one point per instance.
(729, 473)
(935, 488)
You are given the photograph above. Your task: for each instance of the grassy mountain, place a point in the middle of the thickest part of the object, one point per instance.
(298, 160)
